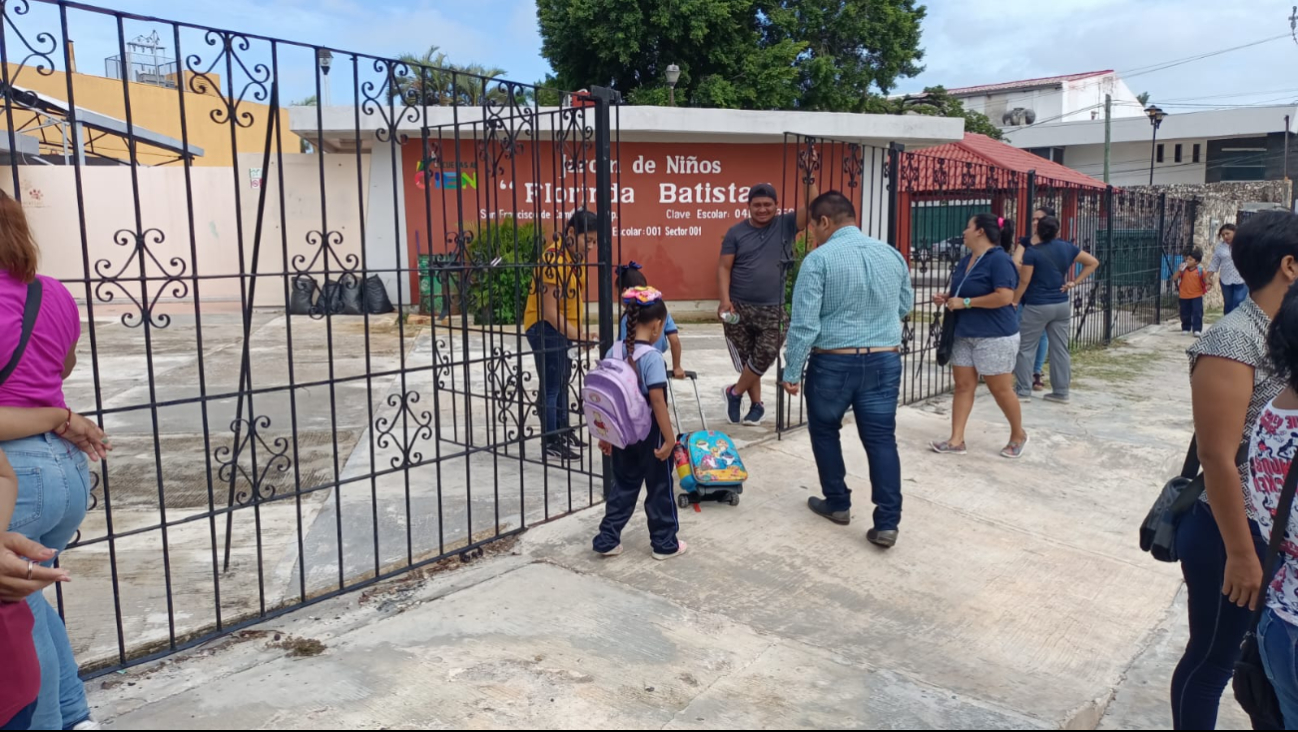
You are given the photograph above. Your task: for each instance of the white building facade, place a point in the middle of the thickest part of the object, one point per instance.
(1069, 98)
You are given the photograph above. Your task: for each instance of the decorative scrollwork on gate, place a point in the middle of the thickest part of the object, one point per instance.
(326, 245)
(399, 84)
(40, 48)
(853, 165)
(506, 120)
(264, 458)
(140, 257)
(202, 82)
(415, 425)
(513, 403)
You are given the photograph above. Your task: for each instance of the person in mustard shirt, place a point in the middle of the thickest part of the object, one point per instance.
(553, 323)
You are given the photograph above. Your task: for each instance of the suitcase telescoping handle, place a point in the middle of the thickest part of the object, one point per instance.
(694, 379)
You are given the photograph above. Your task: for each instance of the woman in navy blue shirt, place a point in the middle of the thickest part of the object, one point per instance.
(1044, 290)
(981, 299)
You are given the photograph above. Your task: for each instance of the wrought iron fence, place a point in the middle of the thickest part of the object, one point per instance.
(286, 429)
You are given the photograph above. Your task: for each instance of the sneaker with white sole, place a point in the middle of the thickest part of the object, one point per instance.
(734, 403)
(681, 547)
(614, 552)
(87, 724)
(755, 415)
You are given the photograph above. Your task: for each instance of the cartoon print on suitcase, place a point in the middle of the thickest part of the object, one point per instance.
(713, 459)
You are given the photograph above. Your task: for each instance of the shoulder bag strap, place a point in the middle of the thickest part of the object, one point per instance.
(1279, 527)
(31, 308)
(1198, 483)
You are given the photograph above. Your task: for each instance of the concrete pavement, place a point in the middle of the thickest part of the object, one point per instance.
(1016, 599)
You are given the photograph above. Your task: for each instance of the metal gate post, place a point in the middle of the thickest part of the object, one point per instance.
(1032, 202)
(1162, 256)
(1108, 266)
(604, 99)
(895, 149)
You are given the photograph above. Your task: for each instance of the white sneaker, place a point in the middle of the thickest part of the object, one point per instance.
(1198, 334)
(614, 552)
(681, 547)
(88, 724)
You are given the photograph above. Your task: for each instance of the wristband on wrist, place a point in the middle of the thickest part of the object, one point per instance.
(67, 422)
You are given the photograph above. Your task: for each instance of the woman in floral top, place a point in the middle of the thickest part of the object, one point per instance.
(1271, 453)
(1220, 545)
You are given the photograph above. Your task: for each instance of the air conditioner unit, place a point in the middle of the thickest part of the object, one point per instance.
(1019, 116)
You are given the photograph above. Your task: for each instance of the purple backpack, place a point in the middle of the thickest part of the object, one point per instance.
(616, 410)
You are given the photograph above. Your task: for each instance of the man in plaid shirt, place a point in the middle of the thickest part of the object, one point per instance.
(848, 304)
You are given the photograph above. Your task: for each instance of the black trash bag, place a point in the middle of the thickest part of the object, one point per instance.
(350, 285)
(376, 296)
(301, 299)
(331, 299)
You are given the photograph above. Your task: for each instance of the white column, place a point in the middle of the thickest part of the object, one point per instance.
(385, 221)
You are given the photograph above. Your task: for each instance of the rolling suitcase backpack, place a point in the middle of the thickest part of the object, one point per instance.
(707, 462)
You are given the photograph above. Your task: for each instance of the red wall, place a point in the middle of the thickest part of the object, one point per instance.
(672, 215)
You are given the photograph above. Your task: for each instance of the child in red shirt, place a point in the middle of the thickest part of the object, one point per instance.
(1193, 285)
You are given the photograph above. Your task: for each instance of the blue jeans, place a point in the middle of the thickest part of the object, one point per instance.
(53, 494)
(1192, 315)
(1233, 295)
(869, 385)
(1217, 625)
(1278, 641)
(550, 349)
(1040, 366)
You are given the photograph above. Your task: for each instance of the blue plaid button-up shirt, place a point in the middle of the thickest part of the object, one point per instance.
(852, 292)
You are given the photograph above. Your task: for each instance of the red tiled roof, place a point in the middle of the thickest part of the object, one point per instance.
(1026, 83)
(981, 149)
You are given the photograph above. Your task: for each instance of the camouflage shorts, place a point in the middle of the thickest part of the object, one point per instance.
(756, 339)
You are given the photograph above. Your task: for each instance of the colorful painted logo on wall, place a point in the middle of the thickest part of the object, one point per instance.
(444, 179)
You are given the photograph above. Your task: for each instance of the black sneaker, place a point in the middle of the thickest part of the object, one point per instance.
(574, 440)
(734, 403)
(755, 415)
(818, 507)
(559, 449)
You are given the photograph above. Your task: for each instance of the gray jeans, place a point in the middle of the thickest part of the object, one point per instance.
(1054, 320)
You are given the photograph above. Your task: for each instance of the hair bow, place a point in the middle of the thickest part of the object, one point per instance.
(630, 265)
(1000, 221)
(641, 296)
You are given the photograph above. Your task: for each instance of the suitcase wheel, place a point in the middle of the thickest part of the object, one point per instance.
(683, 500)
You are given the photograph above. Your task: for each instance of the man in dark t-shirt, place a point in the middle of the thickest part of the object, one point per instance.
(750, 276)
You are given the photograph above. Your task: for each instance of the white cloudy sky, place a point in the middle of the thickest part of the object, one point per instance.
(967, 41)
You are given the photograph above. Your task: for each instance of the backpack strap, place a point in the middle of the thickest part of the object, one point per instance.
(31, 308)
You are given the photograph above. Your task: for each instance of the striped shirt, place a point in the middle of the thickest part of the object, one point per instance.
(851, 292)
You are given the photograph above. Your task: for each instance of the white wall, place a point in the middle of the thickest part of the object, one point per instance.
(1047, 103)
(1071, 101)
(50, 201)
(1129, 163)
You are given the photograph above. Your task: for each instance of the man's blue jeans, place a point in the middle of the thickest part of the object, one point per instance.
(550, 349)
(869, 386)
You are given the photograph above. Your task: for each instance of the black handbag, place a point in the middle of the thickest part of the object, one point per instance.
(947, 316)
(1158, 530)
(1253, 690)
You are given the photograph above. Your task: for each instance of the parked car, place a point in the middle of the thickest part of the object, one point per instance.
(946, 250)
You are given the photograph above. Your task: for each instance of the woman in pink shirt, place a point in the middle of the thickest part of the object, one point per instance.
(47, 444)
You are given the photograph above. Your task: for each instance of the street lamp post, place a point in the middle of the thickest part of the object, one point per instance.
(325, 58)
(1156, 116)
(673, 76)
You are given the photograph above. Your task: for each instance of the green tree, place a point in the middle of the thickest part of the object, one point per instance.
(854, 48)
(1143, 98)
(754, 54)
(427, 81)
(936, 101)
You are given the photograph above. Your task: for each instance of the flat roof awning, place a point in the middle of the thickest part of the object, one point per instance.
(51, 107)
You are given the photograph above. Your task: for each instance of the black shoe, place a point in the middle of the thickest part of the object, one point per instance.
(755, 415)
(734, 403)
(882, 539)
(572, 439)
(559, 449)
(818, 507)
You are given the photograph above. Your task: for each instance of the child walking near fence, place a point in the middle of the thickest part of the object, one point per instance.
(646, 462)
(1193, 285)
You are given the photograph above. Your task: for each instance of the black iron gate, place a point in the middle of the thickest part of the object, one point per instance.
(305, 278)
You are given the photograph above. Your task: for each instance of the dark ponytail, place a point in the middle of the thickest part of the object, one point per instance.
(1282, 341)
(997, 230)
(637, 313)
